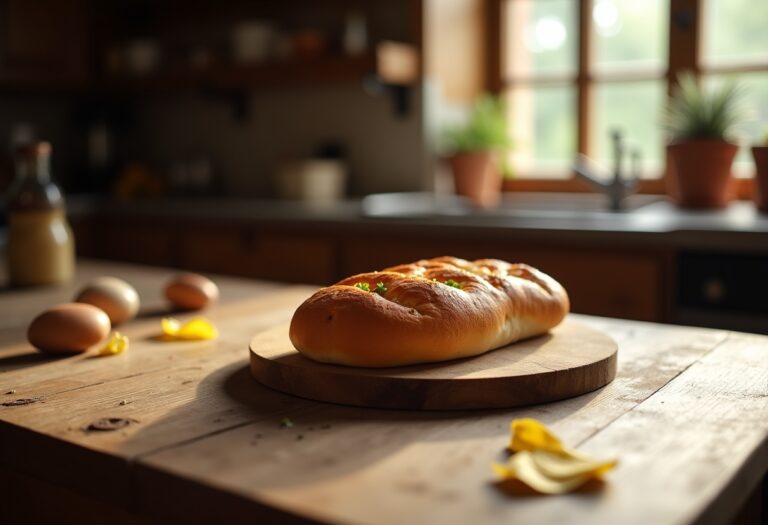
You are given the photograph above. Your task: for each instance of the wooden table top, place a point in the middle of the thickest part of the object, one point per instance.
(687, 416)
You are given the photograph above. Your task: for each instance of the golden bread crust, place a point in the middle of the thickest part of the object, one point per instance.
(415, 317)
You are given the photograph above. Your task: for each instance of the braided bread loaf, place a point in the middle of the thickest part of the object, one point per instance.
(429, 310)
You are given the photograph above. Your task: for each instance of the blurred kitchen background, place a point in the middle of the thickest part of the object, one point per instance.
(305, 140)
(210, 96)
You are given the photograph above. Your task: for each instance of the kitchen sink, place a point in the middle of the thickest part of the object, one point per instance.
(513, 204)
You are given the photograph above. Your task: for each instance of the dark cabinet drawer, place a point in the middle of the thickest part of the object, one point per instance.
(733, 282)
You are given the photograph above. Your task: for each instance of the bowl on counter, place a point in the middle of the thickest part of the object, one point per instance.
(312, 180)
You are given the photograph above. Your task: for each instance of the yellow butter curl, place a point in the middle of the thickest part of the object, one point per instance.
(117, 344)
(541, 461)
(197, 329)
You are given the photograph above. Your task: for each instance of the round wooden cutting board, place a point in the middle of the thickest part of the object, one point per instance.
(570, 360)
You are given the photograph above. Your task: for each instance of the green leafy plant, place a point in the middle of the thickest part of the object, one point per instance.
(485, 130)
(694, 113)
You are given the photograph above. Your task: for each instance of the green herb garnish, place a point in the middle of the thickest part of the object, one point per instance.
(363, 286)
(380, 289)
(451, 283)
(286, 423)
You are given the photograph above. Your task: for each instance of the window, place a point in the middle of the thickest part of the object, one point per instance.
(575, 71)
(540, 79)
(735, 45)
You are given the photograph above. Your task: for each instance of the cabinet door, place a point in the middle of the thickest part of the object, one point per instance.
(86, 237)
(141, 242)
(607, 283)
(282, 256)
(599, 281)
(42, 42)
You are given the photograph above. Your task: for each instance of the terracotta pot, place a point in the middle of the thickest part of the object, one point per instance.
(700, 173)
(476, 176)
(760, 192)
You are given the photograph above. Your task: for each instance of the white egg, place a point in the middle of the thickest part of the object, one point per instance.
(116, 297)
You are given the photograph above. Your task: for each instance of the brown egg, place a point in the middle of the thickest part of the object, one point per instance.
(116, 297)
(191, 291)
(68, 328)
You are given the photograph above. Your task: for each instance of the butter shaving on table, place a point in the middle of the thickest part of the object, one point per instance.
(197, 329)
(117, 344)
(541, 461)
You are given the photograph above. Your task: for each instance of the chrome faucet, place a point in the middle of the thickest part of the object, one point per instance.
(619, 187)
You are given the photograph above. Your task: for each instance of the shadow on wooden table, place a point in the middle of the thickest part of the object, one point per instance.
(283, 442)
(319, 427)
(28, 357)
(14, 362)
(243, 388)
(518, 489)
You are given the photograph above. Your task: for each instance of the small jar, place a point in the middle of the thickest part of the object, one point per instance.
(41, 248)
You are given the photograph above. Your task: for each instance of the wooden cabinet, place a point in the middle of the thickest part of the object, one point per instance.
(626, 285)
(234, 249)
(244, 251)
(143, 242)
(137, 241)
(43, 43)
(86, 236)
(391, 55)
(601, 280)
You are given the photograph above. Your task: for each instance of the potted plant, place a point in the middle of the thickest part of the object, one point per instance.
(760, 191)
(701, 150)
(475, 148)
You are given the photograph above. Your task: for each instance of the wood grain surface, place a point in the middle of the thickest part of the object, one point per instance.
(686, 416)
(571, 360)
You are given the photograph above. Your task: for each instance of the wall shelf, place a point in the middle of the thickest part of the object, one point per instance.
(391, 69)
(392, 63)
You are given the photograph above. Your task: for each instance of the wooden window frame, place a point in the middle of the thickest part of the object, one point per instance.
(685, 23)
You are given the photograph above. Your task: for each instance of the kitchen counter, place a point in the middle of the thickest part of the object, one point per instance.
(687, 417)
(702, 268)
(581, 217)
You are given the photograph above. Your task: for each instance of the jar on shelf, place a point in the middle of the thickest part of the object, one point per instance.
(41, 248)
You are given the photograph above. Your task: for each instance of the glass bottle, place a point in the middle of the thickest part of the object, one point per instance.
(41, 247)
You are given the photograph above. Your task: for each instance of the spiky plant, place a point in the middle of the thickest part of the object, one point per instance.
(486, 129)
(694, 113)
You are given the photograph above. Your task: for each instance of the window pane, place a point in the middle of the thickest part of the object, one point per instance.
(630, 34)
(754, 129)
(543, 128)
(735, 31)
(541, 37)
(635, 109)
